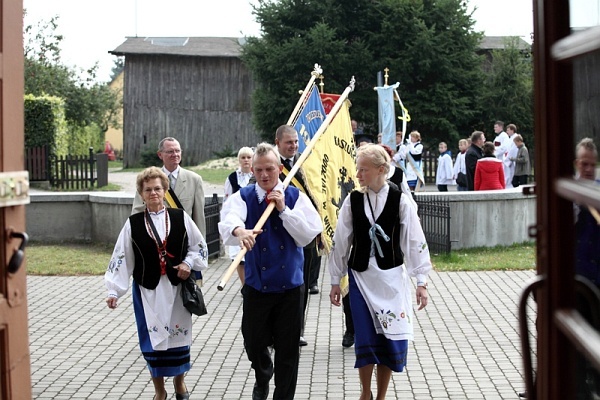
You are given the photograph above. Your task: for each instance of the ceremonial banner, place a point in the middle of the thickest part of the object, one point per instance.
(309, 119)
(387, 114)
(329, 101)
(330, 171)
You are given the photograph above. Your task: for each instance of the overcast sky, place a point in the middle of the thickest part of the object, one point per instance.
(92, 28)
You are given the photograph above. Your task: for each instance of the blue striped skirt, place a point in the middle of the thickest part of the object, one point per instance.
(369, 346)
(170, 362)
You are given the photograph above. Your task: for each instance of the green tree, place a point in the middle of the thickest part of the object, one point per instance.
(87, 101)
(508, 89)
(118, 66)
(428, 45)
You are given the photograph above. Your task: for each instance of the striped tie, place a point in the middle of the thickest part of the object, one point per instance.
(172, 181)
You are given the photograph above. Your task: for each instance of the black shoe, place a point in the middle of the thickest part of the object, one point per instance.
(302, 341)
(184, 396)
(523, 395)
(348, 340)
(260, 392)
(313, 289)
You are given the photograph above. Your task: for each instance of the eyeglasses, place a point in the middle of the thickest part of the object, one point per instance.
(171, 152)
(157, 189)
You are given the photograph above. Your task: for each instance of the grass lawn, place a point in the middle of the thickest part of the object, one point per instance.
(92, 259)
(216, 176)
(499, 258)
(67, 259)
(210, 173)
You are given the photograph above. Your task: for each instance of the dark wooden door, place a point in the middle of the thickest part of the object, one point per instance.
(15, 380)
(561, 331)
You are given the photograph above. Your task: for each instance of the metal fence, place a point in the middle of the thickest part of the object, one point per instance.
(212, 211)
(430, 164)
(435, 220)
(434, 213)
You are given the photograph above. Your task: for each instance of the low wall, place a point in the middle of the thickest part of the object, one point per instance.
(488, 218)
(56, 217)
(478, 219)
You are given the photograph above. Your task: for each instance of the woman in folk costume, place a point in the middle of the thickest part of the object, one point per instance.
(238, 179)
(412, 154)
(379, 242)
(158, 265)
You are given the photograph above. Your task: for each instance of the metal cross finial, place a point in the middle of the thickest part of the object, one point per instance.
(386, 76)
(322, 85)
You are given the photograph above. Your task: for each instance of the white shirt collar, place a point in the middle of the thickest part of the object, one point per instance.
(174, 173)
(262, 193)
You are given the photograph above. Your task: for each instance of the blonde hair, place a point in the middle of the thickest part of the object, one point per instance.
(149, 174)
(416, 134)
(263, 149)
(463, 141)
(245, 151)
(376, 154)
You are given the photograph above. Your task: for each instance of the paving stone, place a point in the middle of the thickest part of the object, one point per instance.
(466, 344)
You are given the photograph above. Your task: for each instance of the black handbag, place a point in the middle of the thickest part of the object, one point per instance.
(192, 297)
(461, 179)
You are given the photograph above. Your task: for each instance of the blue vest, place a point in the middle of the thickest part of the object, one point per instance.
(276, 263)
(587, 255)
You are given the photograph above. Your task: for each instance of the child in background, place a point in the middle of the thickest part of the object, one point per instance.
(443, 176)
(460, 169)
(523, 165)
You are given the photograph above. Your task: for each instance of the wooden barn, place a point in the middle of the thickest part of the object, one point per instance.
(195, 89)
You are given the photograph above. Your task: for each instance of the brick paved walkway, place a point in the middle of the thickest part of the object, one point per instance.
(466, 343)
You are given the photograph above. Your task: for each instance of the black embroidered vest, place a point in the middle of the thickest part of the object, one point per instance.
(235, 186)
(389, 220)
(146, 271)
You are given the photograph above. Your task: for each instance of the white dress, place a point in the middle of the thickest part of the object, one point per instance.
(169, 323)
(384, 289)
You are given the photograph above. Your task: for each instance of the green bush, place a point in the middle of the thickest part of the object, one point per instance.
(149, 158)
(45, 124)
(226, 152)
(82, 138)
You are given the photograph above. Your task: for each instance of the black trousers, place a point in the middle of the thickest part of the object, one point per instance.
(348, 314)
(315, 271)
(273, 318)
(519, 180)
(312, 260)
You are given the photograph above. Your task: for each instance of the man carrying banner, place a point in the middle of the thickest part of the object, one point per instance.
(273, 291)
(286, 139)
(186, 190)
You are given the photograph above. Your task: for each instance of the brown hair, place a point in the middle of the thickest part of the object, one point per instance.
(488, 149)
(283, 129)
(147, 175)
